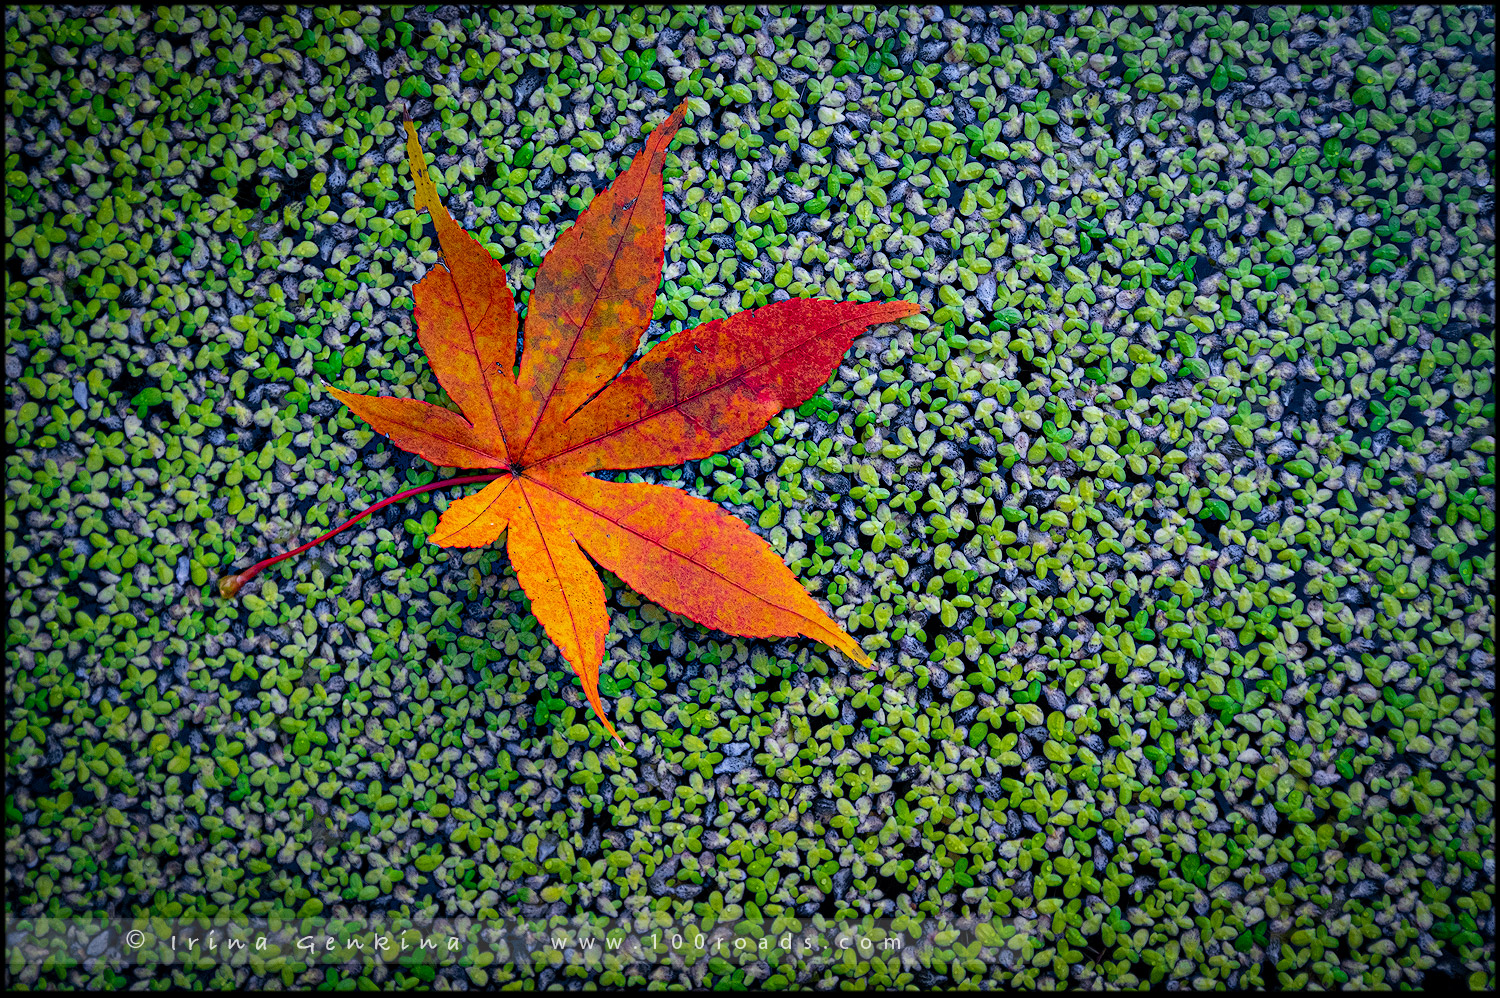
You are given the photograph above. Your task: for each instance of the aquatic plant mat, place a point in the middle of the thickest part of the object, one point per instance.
(1168, 523)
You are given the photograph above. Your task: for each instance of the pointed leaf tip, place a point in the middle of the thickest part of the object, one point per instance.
(898, 309)
(679, 112)
(591, 690)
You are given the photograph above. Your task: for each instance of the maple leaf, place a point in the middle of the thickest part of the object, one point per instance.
(568, 410)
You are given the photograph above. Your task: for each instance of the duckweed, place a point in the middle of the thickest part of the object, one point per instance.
(1169, 523)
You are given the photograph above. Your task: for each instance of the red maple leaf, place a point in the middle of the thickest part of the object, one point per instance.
(567, 413)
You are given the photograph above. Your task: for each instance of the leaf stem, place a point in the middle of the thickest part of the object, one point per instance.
(229, 585)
